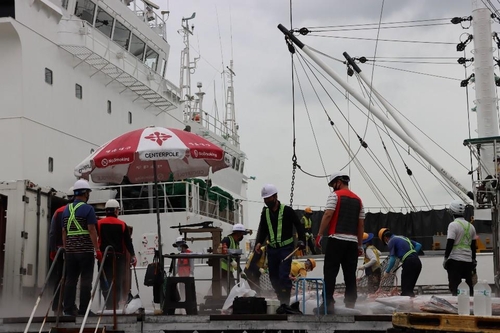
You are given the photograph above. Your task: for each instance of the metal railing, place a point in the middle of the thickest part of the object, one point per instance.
(60, 252)
(179, 196)
(146, 12)
(100, 273)
(214, 125)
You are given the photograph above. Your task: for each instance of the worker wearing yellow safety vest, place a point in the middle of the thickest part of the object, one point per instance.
(300, 269)
(460, 254)
(276, 225)
(80, 241)
(371, 263)
(407, 251)
(232, 242)
(307, 223)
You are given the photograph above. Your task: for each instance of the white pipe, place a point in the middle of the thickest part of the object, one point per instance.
(486, 100)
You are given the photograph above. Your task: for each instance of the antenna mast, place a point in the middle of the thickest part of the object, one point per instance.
(230, 118)
(187, 66)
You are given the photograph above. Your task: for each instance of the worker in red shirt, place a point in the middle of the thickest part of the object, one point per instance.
(185, 266)
(115, 232)
(55, 242)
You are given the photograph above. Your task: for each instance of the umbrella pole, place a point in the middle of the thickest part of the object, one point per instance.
(157, 203)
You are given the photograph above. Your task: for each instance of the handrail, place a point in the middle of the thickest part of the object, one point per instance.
(58, 253)
(94, 289)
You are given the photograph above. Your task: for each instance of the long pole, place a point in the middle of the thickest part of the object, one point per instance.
(160, 251)
(460, 190)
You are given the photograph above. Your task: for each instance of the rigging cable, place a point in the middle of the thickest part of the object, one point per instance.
(291, 48)
(359, 108)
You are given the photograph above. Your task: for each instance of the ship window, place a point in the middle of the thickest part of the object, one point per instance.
(234, 162)
(137, 47)
(109, 107)
(151, 58)
(163, 67)
(104, 22)
(48, 76)
(242, 166)
(85, 9)
(121, 35)
(237, 164)
(51, 164)
(78, 91)
(130, 117)
(65, 4)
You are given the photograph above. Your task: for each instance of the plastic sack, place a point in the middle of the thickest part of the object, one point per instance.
(241, 289)
(133, 306)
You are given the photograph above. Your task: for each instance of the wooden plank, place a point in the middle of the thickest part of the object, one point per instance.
(446, 322)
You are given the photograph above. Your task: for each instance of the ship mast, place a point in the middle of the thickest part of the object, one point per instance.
(187, 66)
(230, 118)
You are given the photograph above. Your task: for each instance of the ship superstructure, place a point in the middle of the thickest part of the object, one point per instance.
(77, 73)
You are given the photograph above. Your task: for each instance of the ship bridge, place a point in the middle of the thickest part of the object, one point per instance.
(124, 41)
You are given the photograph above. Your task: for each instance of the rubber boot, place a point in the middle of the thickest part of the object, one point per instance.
(284, 296)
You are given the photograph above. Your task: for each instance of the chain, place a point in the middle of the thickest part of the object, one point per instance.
(294, 169)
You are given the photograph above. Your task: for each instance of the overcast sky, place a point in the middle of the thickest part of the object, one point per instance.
(246, 32)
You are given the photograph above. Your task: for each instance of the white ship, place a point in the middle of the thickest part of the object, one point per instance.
(75, 74)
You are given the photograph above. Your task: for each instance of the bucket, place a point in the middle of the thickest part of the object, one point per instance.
(272, 305)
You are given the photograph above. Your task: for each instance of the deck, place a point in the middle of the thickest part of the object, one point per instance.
(212, 323)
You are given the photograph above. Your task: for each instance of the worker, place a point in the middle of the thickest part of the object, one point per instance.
(460, 254)
(231, 242)
(343, 219)
(276, 225)
(256, 263)
(56, 242)
(407, 251)
(371, 263)
(185, 268)
(114, 232)
(307, 223)
(300, 269)
(80, 241)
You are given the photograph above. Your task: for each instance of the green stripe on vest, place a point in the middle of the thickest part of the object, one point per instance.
(73, 221)
(276, 241)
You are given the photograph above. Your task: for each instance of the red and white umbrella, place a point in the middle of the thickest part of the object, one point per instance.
(177, 153)
(152, 154)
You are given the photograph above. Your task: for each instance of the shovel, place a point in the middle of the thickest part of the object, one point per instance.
(290, 255)
(130, 296)
(134, 303)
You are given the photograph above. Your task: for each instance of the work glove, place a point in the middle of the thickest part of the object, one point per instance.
(243, 276)
(234, 264)
(318, 241)
(133, 261)
(308, 235)
(98, 255)
(52, 255)
(386, 275)
(445, 263)
(361, 268)
(474, 264)
(262, 270)
(301, 245)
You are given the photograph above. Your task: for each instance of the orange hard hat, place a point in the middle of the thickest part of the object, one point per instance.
(308, 210)
(313, 263)
(381, 233)
(365, 235)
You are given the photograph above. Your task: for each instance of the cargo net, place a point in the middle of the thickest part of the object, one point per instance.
(387, 285)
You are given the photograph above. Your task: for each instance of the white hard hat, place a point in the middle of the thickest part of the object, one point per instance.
(112, 203)
(457, 207)
(268, 190)
(239, 227)
(338, 174)
(179, 241)
(71, 192)
(81, 184)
